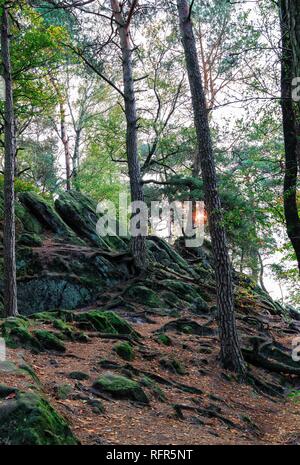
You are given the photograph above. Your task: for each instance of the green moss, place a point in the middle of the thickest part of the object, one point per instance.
(49, 340)
(164, 339)
(124, 350)
(172, 364)
(80, 375)
(16, 333)
(121, 387)
(30, 240)
(143, 295)
(154, 388)
(181, 289)
(187, 329)
(105, 322)
(69, 332)
(6, 391)
(199, 306)
(29, 419)
(44, 317)
(97, 406)
(170, 298)
(27, 369)
(62, 391)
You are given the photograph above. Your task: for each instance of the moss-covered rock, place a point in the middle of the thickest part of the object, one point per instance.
(79, 212)
(63, 391)
(181, 289)
(74, 272)
(154, 388)
(30, 240)
(105, 322)
(15, 331)
(45, 214)
(121, 387)
(69, 332)
(49, 340)
(97, 406)
(124, 350)
(44, 317)
(199, 306)
(173, 365)
(79, 375)
(143, 295)
(164, 339)
(28, 419)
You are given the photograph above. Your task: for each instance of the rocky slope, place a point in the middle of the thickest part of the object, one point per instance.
(128, 359)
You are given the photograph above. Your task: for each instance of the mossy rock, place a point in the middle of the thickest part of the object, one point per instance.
(28, 419)
(45, 214)
(105, 322)
(30, 240)
(97, 406)
(170, 298)
(79, 375)
(154, 388)
(124, 350)
(199, 306)
(164, 339)
(28, 370)
(79, 212)
(63, 391)
(16, 333)
(173, 365)
(182, 290)
(121, 387)
(51, 316)
(44, 317)
(187, 326)
(69, 332)
(6, 391)
(49, 340)
(143, 295)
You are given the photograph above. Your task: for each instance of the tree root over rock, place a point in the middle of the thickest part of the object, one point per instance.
(269, 355)
(185, 325)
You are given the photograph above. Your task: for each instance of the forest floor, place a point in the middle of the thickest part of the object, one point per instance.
(226, 412)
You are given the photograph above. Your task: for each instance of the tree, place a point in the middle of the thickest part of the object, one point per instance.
(62, 131)
(138, 243)
(231, 355)
(290, 26)
(9, 232)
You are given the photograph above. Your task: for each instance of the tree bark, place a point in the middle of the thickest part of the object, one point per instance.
(65, 141)
(290, 68)
(138, 244)
(76, 156)
(63, 132)
(9, 231)
(231, 355)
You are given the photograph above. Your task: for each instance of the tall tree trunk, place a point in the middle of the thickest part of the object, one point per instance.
(65, 141)
(261, 273)
(290, 27)
(63, 131)
(76, 156)
(9, 231)
(231, 355)
(138, 244)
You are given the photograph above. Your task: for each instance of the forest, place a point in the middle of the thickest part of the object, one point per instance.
(149, 223)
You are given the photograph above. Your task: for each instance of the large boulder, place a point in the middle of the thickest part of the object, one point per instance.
(121, 387)
(61, 262)
(27, 418)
